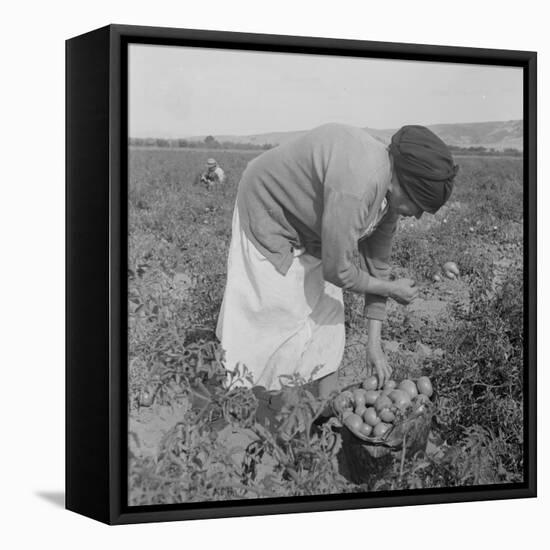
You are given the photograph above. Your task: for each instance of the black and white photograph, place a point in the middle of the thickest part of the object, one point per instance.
(325, 275)
(275, 275)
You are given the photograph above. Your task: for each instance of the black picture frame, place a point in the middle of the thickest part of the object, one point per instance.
(96, 236)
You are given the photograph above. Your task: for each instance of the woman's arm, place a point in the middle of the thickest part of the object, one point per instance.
(376, 358)
(339, 238)
(375, 254)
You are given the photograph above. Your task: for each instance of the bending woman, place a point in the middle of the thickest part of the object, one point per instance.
(302, 210)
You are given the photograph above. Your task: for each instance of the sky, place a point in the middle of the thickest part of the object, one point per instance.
(183, 92)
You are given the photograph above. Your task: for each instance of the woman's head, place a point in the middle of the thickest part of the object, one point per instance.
(423, 171)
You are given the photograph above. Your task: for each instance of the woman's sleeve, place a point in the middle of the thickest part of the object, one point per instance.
(349, 188)
(375, 252)
(339, 234)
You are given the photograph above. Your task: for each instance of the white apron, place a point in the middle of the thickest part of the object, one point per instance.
(280, 324)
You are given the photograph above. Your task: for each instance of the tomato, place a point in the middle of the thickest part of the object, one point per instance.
(365, 430)
(381, 429)
(371, 396)
(390, 385)
(345, 414)
(370, 383)
(425, 386)
(353, 422)
(360, 410)
(400, 398)
(370, 417)
(410, 387)
(360, 397)
(383, 402)
(450, 270)
(147, 396)
(387, 416)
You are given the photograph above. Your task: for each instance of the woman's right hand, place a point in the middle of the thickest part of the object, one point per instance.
(404, 291)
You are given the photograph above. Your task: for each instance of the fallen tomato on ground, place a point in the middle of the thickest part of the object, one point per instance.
(450, 270)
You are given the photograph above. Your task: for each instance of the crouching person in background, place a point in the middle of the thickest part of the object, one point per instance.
(213, 175)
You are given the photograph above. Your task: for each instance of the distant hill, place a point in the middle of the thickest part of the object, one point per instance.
(491, 135)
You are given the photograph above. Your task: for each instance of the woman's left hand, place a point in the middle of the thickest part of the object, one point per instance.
(376, 360)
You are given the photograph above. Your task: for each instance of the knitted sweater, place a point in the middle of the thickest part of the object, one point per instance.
(320, 192)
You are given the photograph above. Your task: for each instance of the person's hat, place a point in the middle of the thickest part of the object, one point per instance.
(211, 162)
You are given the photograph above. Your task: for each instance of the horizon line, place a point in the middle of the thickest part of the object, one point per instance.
(306, 130)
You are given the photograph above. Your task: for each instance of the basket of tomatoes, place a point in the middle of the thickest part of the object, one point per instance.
(379, 422)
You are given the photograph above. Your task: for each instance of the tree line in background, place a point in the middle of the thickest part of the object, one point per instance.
(488, 151)
(211, 142)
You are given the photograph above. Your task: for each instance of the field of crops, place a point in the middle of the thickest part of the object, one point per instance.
(466, 335)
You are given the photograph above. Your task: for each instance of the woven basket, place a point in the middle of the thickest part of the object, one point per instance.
(364, 459)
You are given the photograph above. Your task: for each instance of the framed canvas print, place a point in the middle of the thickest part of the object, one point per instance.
(301, 274)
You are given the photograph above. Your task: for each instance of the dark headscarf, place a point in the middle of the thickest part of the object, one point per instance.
(424, 166)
